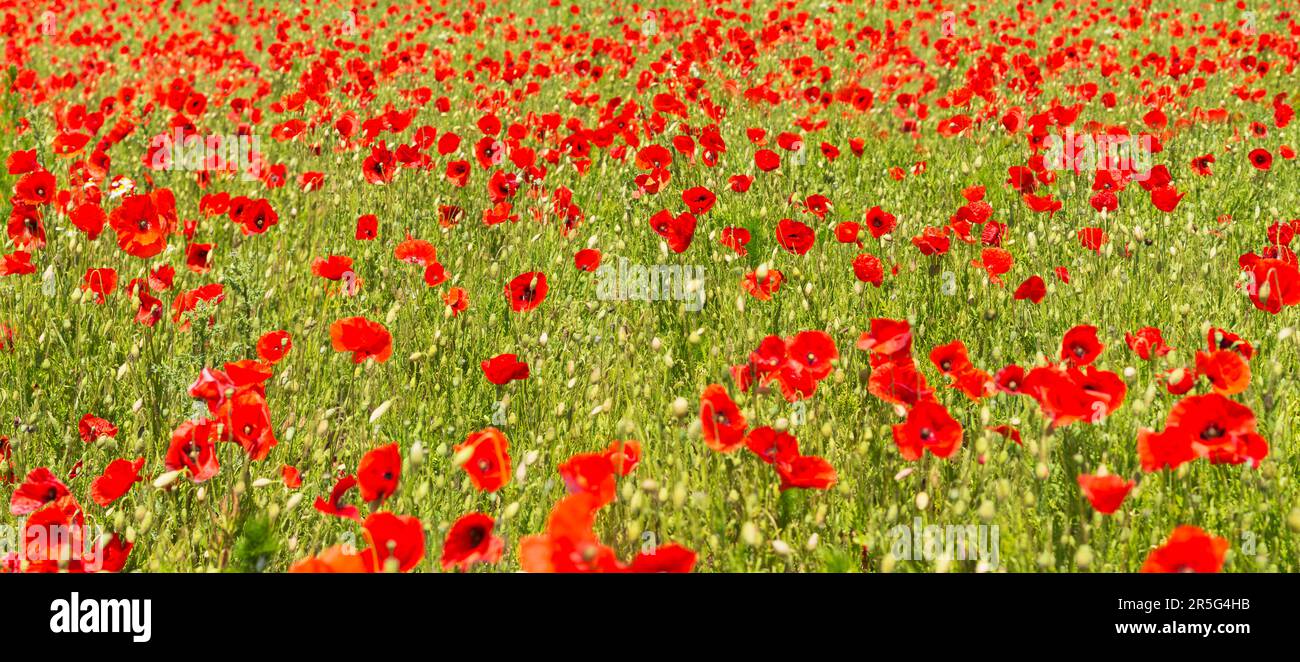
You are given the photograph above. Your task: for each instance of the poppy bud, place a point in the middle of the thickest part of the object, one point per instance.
(165, 480)
(680, 407)
(1083, 557)
(922, 500)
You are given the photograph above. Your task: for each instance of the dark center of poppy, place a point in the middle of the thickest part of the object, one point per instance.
(52, 494)
(476, 536)
(927, 434)
(1080, 351)
(31, 224)
(1013, 385)
(1212, 431)
(143, 224)
(945, 365)
(721, 417)
(388, 475)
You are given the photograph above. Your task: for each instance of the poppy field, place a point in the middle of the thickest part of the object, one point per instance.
(697, 286)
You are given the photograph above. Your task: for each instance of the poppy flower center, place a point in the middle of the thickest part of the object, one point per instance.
(31, 225)
(812, 358)
(927, 434)
(476, 536)
(142, 224)
(52, 494)
(721, 417)
(388, 475)
(1212, 431)
(1013, 385)
(946, 365)
(1080, 351)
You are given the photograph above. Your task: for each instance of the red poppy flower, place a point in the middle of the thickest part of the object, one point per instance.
(587, 259)
(40, 487)
(470, 541)
(54, 537)
(1033, 289)
(1093, 239)
(415, 251)
(880, 222)
(246, 420)
(91, 428)
(928, 427)
(951, 359)
(795, 237)
(435, 275)
(698, 199)
(336, 559)
(1261, 158)
(335, 506)
(764, 286)
(526, 291)
(771, 446)
(1189, 549)
(806, 472)
(1080, 345)
(504, 368)
(457, 300)
(116, 481)
(932, 241)
(379, 473)
(486, 459)
(274, 346)
(592, 473)
(1105, 493)
(396, 542)
(767, 160)
(671, 558)
(364, 338)
(256, 217)
(141, 230)
(367, 227)
(1008, 432)
(678, 231)
(193, 449)
(291, 476)
(736, 239)
(1217, 339)
(35, 188)
(1209, 426)
(869, 269)
(26, 227)
(624, 455)
(89, 218)
(1273, 284)
(1227, 371)
(569, 544)
(722, 423)
(1147, 343)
